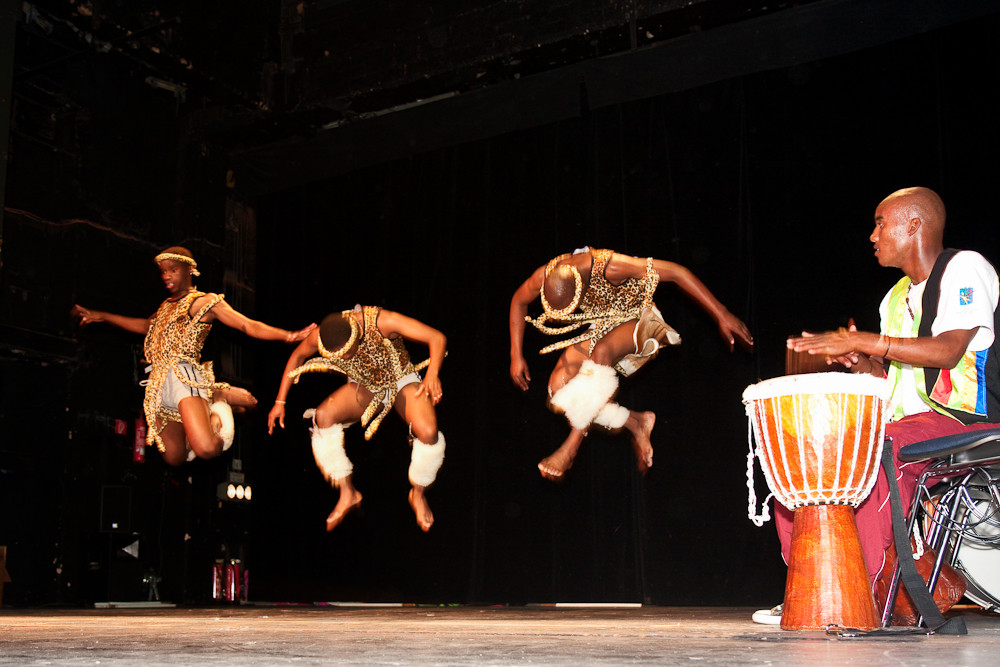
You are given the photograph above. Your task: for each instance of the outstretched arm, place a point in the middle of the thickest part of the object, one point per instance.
(730, 326)
(944, 350)
(139, 325)
(390, 322)
(234, 319)
(523, 296)
(304, 350)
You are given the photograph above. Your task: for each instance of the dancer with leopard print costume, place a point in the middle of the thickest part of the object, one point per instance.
(366, 345)
(613, 294)
(188, 413)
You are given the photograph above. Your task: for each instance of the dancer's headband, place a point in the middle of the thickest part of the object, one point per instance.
(554, 313)
(339, 353)
(179, 258)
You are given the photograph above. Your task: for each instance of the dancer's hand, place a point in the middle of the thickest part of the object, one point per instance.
(300, 335)
(431, 386)
(277, 414)
(85, 316)
(732, 328)
(519, 373)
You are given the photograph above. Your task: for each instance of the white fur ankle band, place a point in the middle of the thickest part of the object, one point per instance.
(328, 450)
(612, 416)
(586, 394)
(426, 460)
(227, 431)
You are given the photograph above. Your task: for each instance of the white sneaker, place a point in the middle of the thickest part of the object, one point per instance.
(770, 616)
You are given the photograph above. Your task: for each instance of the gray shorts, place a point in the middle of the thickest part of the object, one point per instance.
(174, 390)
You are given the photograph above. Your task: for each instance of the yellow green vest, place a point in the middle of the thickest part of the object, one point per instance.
(959, 392)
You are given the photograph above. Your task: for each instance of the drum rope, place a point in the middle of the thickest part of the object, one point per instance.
(800, 449)
(779, 477)
(765, 516)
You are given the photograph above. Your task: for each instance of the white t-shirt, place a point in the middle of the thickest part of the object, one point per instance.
(969, 293)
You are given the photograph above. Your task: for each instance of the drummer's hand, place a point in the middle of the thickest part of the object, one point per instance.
(851, 359)
(846, 360)
(833, 344)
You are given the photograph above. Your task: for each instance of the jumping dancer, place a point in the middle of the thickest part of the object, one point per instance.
(613, 294)
(366, 345)
(188, 413)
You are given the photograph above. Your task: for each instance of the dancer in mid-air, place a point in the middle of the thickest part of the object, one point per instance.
(613, 294)
(188, 413)
(366, 345)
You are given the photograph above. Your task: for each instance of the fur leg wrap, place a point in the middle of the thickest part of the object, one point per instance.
(328, 450)
(612, 416)
(426, 460)
(228, 429)
(586, 394)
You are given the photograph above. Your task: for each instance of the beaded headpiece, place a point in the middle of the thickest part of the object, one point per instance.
(339, 353)
(177, 257)
(561, 313)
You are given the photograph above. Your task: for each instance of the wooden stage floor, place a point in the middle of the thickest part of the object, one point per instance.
(486, 635)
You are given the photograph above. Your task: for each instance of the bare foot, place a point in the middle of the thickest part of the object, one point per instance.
(418, 501)
(555, 465)
(641, 443)
(350, 500)
(238, 397)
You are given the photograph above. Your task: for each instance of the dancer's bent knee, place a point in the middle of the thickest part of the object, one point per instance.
(583, 397)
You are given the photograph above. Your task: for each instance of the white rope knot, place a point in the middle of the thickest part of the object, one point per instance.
(918, 541)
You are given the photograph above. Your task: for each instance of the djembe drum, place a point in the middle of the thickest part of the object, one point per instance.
(819, 442)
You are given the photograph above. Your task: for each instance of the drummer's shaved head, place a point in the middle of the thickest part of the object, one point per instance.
(922, 203)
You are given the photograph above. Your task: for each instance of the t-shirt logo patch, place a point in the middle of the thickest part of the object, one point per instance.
(965, 296)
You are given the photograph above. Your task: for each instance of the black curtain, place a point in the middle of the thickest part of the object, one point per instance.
(764, 186)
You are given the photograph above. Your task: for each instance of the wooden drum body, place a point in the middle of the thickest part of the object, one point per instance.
(819, 441)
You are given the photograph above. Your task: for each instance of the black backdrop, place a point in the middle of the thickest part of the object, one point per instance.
(763, 185)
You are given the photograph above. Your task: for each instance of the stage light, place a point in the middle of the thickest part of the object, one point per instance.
(234, 487)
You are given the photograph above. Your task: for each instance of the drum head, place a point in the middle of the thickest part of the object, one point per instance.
(819, 383)
(981, 562)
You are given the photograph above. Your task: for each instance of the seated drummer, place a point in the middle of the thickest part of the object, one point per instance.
(957, 348)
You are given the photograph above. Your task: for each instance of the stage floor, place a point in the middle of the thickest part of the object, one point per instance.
(279, 635)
